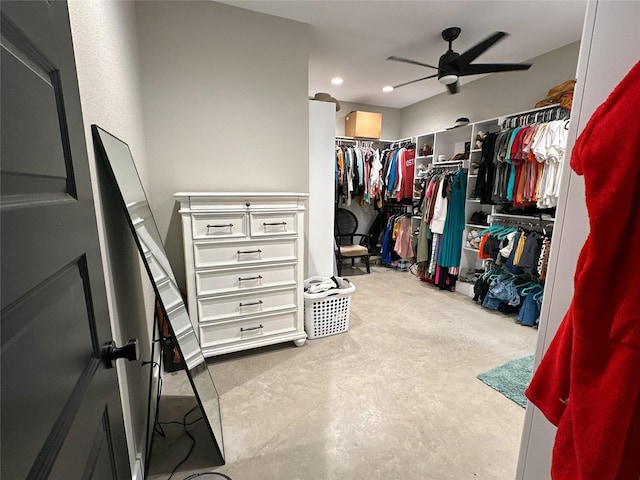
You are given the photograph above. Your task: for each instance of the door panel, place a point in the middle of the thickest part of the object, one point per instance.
(61, 413)
(31, 109)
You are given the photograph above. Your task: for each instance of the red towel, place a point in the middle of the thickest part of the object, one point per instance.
(588, 382)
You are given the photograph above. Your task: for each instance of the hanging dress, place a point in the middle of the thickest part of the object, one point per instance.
(450, 250)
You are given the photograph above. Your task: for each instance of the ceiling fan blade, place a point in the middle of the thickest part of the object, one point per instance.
(474, 52)
(453, 87)
(479, 68)
(414, 81)
(408, 60)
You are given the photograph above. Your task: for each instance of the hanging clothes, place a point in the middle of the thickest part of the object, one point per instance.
(522, 165)
(407, 166)
(441, 203)
(403, 246)
(455, 222)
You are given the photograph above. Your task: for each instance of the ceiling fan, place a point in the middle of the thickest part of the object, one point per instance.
(453, 65)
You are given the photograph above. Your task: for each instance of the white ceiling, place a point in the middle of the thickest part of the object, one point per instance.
(352, 38)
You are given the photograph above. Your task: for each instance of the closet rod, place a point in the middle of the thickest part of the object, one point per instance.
(506, 216)
(536, 225)
(527, 112)
(531, 116)
(448, 162)
(360, 139)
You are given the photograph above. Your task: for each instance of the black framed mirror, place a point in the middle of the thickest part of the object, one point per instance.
(119, 161)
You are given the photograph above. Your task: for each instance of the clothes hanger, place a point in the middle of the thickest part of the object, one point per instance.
(502, 235)
(491, 229)
(533, 286)
(527, 287)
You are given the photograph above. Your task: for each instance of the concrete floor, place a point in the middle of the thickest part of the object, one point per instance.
(395, 397)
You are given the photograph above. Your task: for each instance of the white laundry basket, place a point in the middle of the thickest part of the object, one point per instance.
(327, 313)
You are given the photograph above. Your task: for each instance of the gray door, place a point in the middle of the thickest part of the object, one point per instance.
(61, 412)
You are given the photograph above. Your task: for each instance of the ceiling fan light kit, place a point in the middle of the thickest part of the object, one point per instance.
(453, 65)
(448, 79)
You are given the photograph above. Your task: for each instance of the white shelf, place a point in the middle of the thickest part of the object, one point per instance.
(465, 288)
(473, 225)
(473, 175)
(473, 200)
(476, 150)
(469, 249)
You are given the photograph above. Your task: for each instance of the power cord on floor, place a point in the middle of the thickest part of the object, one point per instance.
(157, 424)
(193, 440)
(196, 475)
(157, 427)
(184, 424)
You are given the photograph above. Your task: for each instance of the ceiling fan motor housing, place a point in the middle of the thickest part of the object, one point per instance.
(446, 66)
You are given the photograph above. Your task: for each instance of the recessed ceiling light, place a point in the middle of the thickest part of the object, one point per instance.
(337, 81)
(388, 88)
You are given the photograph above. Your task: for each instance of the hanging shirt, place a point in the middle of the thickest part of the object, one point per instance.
(439, 210)
(375, 176)
(407, 163)
(403, 246)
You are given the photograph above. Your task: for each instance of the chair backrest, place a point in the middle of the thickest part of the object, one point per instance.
(346, 223)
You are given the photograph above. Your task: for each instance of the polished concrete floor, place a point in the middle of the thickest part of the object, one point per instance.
(395, 397)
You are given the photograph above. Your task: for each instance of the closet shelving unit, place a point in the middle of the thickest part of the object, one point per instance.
(422, 163)
(469, 258)
(446, 144)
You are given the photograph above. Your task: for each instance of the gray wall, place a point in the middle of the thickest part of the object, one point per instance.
(105, 44)
(390, 118)
(225, 102)
(493, 95)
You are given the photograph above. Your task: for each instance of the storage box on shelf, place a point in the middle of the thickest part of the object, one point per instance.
(363, 124)
(243, 262)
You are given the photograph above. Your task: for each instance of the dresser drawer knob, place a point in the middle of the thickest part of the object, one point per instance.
(247, 252)
(248, 304)
(246, 279)
(242, 329)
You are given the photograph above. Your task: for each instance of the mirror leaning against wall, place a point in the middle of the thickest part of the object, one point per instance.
(117, 156)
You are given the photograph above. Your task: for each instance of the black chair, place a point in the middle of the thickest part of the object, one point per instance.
(346, 227)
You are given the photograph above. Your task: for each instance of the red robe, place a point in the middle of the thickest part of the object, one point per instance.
(588, 382)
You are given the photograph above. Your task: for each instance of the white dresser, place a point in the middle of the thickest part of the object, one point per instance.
(244, 256)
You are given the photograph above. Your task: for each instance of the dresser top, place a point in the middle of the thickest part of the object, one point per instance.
(238, 194)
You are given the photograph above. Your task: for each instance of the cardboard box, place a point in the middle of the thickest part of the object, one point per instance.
(363, 124)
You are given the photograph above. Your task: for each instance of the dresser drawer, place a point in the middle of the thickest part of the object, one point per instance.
(219, 333)
(218, 225)
(272, 223)
(245, 279)
(217, 254)
(215, 308)
(239, 201)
